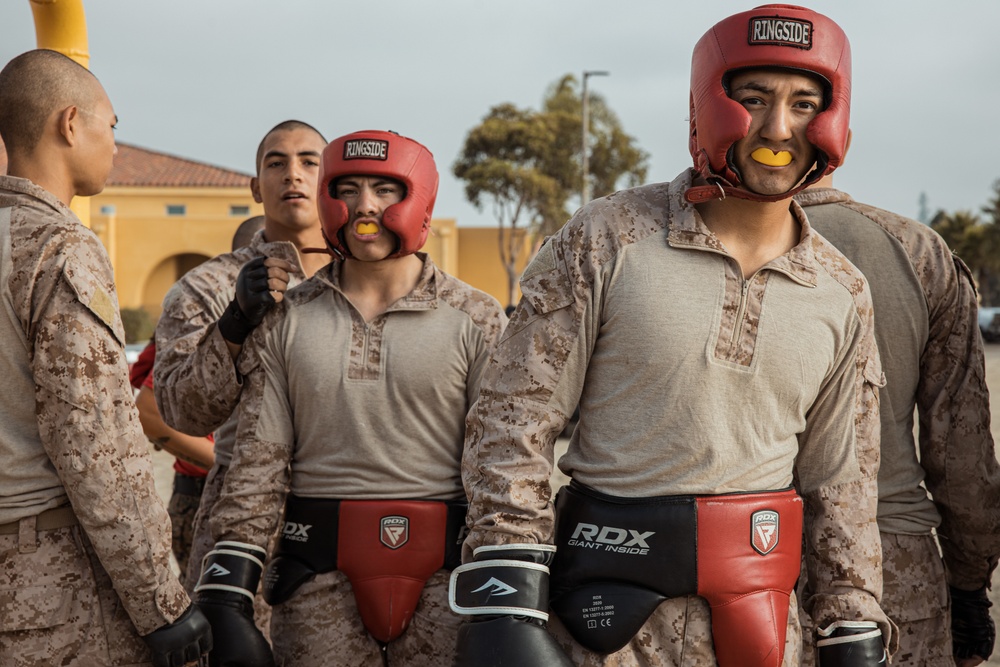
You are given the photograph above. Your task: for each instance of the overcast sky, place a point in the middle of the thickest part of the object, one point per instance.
(206, 79)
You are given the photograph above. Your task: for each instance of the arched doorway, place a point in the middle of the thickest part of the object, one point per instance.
(162, 278)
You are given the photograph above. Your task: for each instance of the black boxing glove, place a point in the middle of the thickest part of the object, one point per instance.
(185, 640)
(225, 595)
(506, 591)
(850, 644)
(252, 301)
(972, 630)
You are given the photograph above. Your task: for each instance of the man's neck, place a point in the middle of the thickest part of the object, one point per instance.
(374, 286)
(754, 233)
(40, 170)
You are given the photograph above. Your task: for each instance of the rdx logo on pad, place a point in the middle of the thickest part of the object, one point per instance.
(296, 531)
(609, 538)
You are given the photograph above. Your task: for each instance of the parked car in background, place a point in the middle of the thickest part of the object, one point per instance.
(989, 323)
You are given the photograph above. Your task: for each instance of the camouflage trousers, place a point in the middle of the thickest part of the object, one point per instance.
(201, 533)
(182, 509)
(202, 542)
(915, 597)
(678, 634)
(320, 627)
(58, 606)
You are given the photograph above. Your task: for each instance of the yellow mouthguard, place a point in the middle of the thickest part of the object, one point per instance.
(367, 228)
(770, 158)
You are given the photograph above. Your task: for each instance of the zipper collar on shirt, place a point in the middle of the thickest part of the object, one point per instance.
(688, 231)
(23, 186)
(424, 295)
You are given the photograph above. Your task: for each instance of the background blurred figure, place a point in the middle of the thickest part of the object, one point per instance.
(194, 455)
(949, 481)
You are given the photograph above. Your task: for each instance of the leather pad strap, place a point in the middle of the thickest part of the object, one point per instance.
(232, 569)
(500, 586)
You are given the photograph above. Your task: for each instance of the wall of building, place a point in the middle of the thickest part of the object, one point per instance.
(479, 261)
(150, 249)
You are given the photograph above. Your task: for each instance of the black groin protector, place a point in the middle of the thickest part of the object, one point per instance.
(307, 547)
(612, 559)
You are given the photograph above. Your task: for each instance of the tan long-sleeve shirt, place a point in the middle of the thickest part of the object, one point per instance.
(353, 409)
(690, 380)
(932, 352)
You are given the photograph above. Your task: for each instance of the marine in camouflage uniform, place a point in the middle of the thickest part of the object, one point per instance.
(357, 389)
(84, 538)
(196, 383)
(932, 354)
(364, 411)
(700, 377)
(71, 436)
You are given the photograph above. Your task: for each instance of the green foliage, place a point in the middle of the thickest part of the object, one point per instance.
(138, 325)
(501, 164)
(615, 160)
(976, 241)
(528, 164)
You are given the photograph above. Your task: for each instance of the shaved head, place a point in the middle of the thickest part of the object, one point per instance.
(244, 233)
(284, 127)
(33, 86)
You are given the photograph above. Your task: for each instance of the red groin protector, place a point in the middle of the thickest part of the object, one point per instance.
(388, 549)
(749, 542)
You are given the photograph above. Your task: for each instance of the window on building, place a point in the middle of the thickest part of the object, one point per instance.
(107, 210)
(235, 209)
(176, 209)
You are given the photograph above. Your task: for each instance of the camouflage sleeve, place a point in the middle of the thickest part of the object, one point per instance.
(837, 473)
(253, 494)
(491, 322)
(90, 430)
(530, 388)
(956, 445)
(195, 381)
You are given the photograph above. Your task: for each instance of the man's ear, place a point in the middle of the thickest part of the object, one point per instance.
(67, 124)
(255, 190)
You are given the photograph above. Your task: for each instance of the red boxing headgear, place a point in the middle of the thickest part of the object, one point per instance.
(784, 36)
(387, 154)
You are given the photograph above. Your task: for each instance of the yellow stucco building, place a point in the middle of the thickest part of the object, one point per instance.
(160, 215)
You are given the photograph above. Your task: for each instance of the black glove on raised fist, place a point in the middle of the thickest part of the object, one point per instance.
(252, 301)
(972, 629)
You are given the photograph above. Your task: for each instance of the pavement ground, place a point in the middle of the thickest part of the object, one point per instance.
(163, 469)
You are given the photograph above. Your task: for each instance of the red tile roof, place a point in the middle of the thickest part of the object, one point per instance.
(142, 167)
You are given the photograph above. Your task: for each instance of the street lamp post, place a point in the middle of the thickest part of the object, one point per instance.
(585, 190)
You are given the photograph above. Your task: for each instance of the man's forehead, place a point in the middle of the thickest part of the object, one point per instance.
(766, 78)
(357, 179)
(298, 140)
